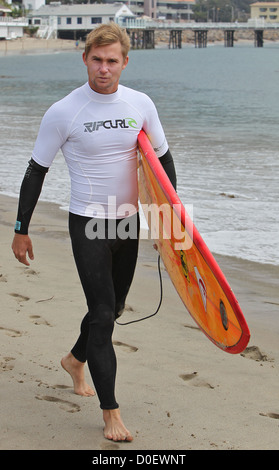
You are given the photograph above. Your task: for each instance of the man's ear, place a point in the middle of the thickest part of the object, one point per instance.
(125, 63)
(84, 58)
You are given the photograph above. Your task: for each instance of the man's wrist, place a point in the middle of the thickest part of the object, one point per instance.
(19, 229)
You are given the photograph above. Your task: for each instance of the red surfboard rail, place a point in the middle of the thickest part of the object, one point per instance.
(202, 252)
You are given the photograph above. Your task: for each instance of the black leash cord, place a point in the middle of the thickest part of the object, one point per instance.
(160, 302)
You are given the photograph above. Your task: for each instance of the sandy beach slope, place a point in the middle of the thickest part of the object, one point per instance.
(28, 45)
(177, 391)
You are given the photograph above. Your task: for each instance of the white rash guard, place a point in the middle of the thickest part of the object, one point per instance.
(97, 134)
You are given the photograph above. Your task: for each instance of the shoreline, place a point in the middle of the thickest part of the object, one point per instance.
(176, 389)
(59, 207)
(27, 45)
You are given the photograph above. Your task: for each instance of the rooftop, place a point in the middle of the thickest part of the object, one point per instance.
(83, 9)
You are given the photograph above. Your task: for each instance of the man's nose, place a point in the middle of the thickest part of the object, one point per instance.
(103, 67)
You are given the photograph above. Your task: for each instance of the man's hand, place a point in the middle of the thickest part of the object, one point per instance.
(21, 246)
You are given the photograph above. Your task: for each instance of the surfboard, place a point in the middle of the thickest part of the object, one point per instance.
(192, 268)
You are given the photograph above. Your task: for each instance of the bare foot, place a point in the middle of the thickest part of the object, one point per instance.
(76, 370)
(114, 427)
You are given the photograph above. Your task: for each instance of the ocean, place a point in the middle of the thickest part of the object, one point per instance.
(219, 108)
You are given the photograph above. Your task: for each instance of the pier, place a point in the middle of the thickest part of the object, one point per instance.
(142, 33)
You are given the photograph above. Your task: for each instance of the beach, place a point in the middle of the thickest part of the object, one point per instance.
(176, 390)
(27, 45)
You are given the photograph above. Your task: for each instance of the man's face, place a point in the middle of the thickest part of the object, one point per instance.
(104, 67)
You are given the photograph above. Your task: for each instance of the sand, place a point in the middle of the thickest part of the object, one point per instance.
(27, 45)
(177, 391)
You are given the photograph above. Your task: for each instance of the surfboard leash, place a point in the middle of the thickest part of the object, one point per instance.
(160, 301)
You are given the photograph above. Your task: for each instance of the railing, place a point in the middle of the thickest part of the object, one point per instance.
(9, 20)
(132, 23)
(145, 24)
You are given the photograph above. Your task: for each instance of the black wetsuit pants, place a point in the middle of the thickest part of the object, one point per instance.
(105, 260)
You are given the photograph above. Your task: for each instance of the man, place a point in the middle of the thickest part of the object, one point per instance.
(96, 126)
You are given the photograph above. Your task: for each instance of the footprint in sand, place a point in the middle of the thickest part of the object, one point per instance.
(7, 364)
(30, 272)
(37, 320)
(197, 382)
(125, 347)
(11, 332)
(63, 404)
(54, 387)
(109, 446)
(19, 297)
(270, 415)
(186, 377)
(253, 352)
(61, 387)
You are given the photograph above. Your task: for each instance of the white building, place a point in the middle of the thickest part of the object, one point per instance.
(75, 21)
(10, 28)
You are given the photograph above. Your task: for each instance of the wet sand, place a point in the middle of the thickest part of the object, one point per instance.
(176, 390)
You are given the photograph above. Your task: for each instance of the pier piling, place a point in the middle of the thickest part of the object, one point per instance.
(142, 38)
(258, 37)
(200, 38)
(229, 37)
(175, 39)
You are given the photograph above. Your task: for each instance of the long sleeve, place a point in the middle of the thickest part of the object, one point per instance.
(168, 165)
(29, 194)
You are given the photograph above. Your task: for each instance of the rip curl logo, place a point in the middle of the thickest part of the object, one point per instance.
(110, 124)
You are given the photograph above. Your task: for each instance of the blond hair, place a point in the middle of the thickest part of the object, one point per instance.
(106, 34)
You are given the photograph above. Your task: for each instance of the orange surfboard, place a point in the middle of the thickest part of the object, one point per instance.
(191, 266)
